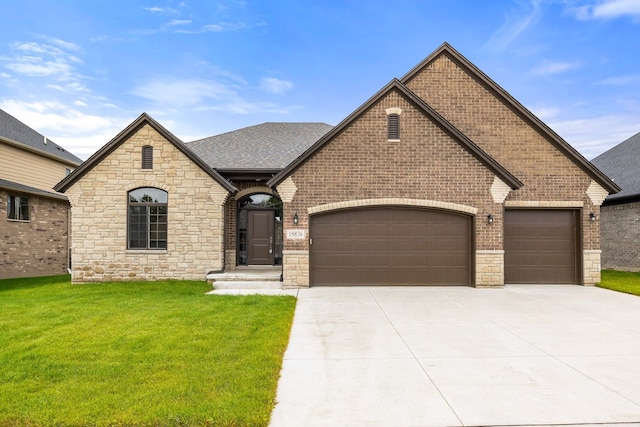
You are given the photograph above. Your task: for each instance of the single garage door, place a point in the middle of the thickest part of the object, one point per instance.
(390, 246)
(541, 246)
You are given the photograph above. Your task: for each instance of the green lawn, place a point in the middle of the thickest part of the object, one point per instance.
(621, 281)
(144, 354)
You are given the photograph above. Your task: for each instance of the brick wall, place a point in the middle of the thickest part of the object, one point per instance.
(360, 163)
(99, 209)
(37, 247)
(547, 174)
(620, 225)
(427, 164)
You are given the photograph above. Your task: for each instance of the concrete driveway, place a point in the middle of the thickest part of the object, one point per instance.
(451, 356)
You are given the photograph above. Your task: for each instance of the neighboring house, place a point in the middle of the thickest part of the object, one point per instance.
(440, 178)
(620, 213)
(34, 219)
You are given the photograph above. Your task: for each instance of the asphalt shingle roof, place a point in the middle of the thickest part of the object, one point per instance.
(15, 130)
(21, 188)
(265, 146)
(622, 164)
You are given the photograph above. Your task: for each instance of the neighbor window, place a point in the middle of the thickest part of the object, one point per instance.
(393, 126)
(18, 208)
(147, 157)
(147, 219)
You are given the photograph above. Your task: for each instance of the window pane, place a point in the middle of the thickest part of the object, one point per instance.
(148, 195)
(24, 208)
(148, 218)
(137, 227)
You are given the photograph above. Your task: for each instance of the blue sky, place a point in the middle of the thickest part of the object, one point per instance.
(80, 71)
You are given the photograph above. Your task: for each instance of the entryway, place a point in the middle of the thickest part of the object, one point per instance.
(259, 230)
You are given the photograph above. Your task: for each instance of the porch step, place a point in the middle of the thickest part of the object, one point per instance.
(247, 284)
(249, 278)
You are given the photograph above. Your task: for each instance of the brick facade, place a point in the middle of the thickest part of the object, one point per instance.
(428, 164)
(38, 247)
(99, 208)
(621, 226)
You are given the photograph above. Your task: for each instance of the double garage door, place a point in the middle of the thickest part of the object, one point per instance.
(401, 246)
(390, 246)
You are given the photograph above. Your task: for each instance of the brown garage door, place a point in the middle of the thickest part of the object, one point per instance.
(541, 246)
(390, 246)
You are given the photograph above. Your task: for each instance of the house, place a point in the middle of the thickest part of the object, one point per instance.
(440, 178)
(620, 212)
(34, 219)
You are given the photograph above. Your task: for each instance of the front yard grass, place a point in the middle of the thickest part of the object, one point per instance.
(621, 281)
(144, 354)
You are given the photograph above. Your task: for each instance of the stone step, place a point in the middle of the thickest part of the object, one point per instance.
(246, 275)
(247, 284)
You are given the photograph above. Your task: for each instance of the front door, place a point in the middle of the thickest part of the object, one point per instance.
(260, 237)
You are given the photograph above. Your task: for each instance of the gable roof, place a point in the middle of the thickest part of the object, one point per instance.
(270, 146)
(425, 109)
(25, 189)
(620, 163)
(524, 113)
(17, 133)
(138, 123)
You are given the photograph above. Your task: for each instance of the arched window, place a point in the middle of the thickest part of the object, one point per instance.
(147, 219)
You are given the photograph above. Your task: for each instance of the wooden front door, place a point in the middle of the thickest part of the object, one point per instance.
(260, 238)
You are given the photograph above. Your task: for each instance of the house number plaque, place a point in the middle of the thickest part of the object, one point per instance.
(296, 234)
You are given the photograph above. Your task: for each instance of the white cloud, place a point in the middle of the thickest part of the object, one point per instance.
(174, 92)
(548, 68)
(616, 8)
(53, 59)
(80, 103)
(79, 133)
(176, 22)
(592, 136)
(156, 9)
(203, 95)
(546, 113)
(516, 22)
(273, 85)
(607, 9)
(620, 80)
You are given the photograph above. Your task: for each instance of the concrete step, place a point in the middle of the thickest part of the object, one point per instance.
(247, 284)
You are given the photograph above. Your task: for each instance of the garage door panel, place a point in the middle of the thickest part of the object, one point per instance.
(541, 246)
(390, 246)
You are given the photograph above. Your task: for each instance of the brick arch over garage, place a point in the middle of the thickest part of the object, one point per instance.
(391, 242)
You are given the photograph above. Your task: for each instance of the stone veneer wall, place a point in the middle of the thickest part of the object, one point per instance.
(38, 247)
(620, 225)
(296, 264)
(591, 267)
(489, 269)
(99, 210)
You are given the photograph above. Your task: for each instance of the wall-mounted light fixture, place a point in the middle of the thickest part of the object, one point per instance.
(295, 218)
(489, 219)
(592, 216)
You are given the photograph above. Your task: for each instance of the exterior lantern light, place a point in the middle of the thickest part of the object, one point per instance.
(592, 216)
(489, 219)
(295, 218)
